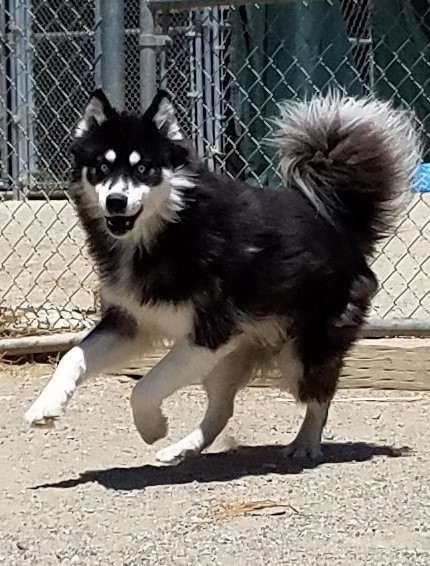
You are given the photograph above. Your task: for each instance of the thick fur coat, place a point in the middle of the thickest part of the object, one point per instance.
(236, 276)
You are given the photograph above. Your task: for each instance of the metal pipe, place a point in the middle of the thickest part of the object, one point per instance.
(396, 327)
(207, 24)
(164, 56)
(13, 111)
(29, 102)
(40, 344)
(148, 60)
(21, 116)
(190, 4)
(112, 50)
(97, 34)
(60, 342)
(80, 34)
(4, 151)
(217, 82)
(21, 100)
(199, 100)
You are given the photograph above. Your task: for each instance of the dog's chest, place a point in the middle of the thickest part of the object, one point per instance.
(160, 319)
(166, 320)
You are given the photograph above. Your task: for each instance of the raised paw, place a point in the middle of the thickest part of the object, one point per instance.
(151, 425)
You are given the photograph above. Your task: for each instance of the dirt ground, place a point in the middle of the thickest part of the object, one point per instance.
(90, 493)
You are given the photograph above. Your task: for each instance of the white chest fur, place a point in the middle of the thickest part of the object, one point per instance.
(161, 320)
(166, 320)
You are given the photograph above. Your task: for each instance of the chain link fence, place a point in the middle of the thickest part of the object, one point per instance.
(227, 67)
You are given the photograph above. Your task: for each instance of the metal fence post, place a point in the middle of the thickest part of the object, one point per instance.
(23, 166)
(98, 44)
(4, 151)
(197, 57)
(112, 50)
(148, 56)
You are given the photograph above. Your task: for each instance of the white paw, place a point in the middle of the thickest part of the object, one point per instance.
(42, 412)
(175, 453)
(151, 425)
(304, 450)
(45, 409)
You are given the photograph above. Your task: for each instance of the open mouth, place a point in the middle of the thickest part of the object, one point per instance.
(120, 225)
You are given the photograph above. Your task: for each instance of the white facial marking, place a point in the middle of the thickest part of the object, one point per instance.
(110, 155)
(157, 204)
(134, 158)
(119, 186)
(135, 193)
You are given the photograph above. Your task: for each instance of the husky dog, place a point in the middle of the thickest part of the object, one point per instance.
(237, 277)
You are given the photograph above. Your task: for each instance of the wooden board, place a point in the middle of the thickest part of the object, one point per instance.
(395, 363)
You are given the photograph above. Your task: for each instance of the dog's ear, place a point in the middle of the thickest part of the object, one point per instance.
(97, 111)
(163, 115)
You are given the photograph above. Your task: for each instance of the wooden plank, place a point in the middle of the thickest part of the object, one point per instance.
(394, 363)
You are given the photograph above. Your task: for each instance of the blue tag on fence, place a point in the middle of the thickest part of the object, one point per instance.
(422, 178)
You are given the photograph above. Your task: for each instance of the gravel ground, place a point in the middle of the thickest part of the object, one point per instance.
(90, 493)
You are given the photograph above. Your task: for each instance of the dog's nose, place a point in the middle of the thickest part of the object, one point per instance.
(116, 203)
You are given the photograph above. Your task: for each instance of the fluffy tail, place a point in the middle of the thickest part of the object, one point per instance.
(351, 157)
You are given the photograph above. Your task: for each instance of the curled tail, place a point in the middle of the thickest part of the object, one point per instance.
(352, 157)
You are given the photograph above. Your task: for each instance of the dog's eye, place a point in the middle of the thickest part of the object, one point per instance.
(104, 168)
(141, 169)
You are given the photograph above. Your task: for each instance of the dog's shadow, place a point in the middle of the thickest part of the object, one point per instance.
(225, 466)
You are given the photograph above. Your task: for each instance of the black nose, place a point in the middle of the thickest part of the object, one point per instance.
(116, 203)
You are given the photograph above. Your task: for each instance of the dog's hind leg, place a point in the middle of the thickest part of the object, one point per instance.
(316, 370)
(316, 390)
(296, 378)
(185, 364)
(108, 345)
(221, 387)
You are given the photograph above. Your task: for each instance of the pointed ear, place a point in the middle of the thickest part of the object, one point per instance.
(162, 113)
(97, 111)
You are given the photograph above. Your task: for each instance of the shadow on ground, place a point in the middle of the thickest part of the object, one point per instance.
(225, 466)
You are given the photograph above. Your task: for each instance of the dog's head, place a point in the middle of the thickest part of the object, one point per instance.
(136, 164)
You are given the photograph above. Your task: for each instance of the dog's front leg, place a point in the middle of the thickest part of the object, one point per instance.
(108, 345)
(185, 364)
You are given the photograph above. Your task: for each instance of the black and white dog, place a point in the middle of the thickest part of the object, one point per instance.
(237, 277)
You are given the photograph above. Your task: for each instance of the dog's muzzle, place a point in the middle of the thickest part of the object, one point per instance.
(116, 203)
(118, 222)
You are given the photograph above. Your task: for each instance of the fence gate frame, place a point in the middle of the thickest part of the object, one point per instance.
(202, 35)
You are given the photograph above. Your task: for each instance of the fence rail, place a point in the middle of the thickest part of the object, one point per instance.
(227, 65)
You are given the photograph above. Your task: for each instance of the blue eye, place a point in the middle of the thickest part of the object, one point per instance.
(104, 168)
(141, 169)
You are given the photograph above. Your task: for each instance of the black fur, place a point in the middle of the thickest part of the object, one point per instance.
(241, 253)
